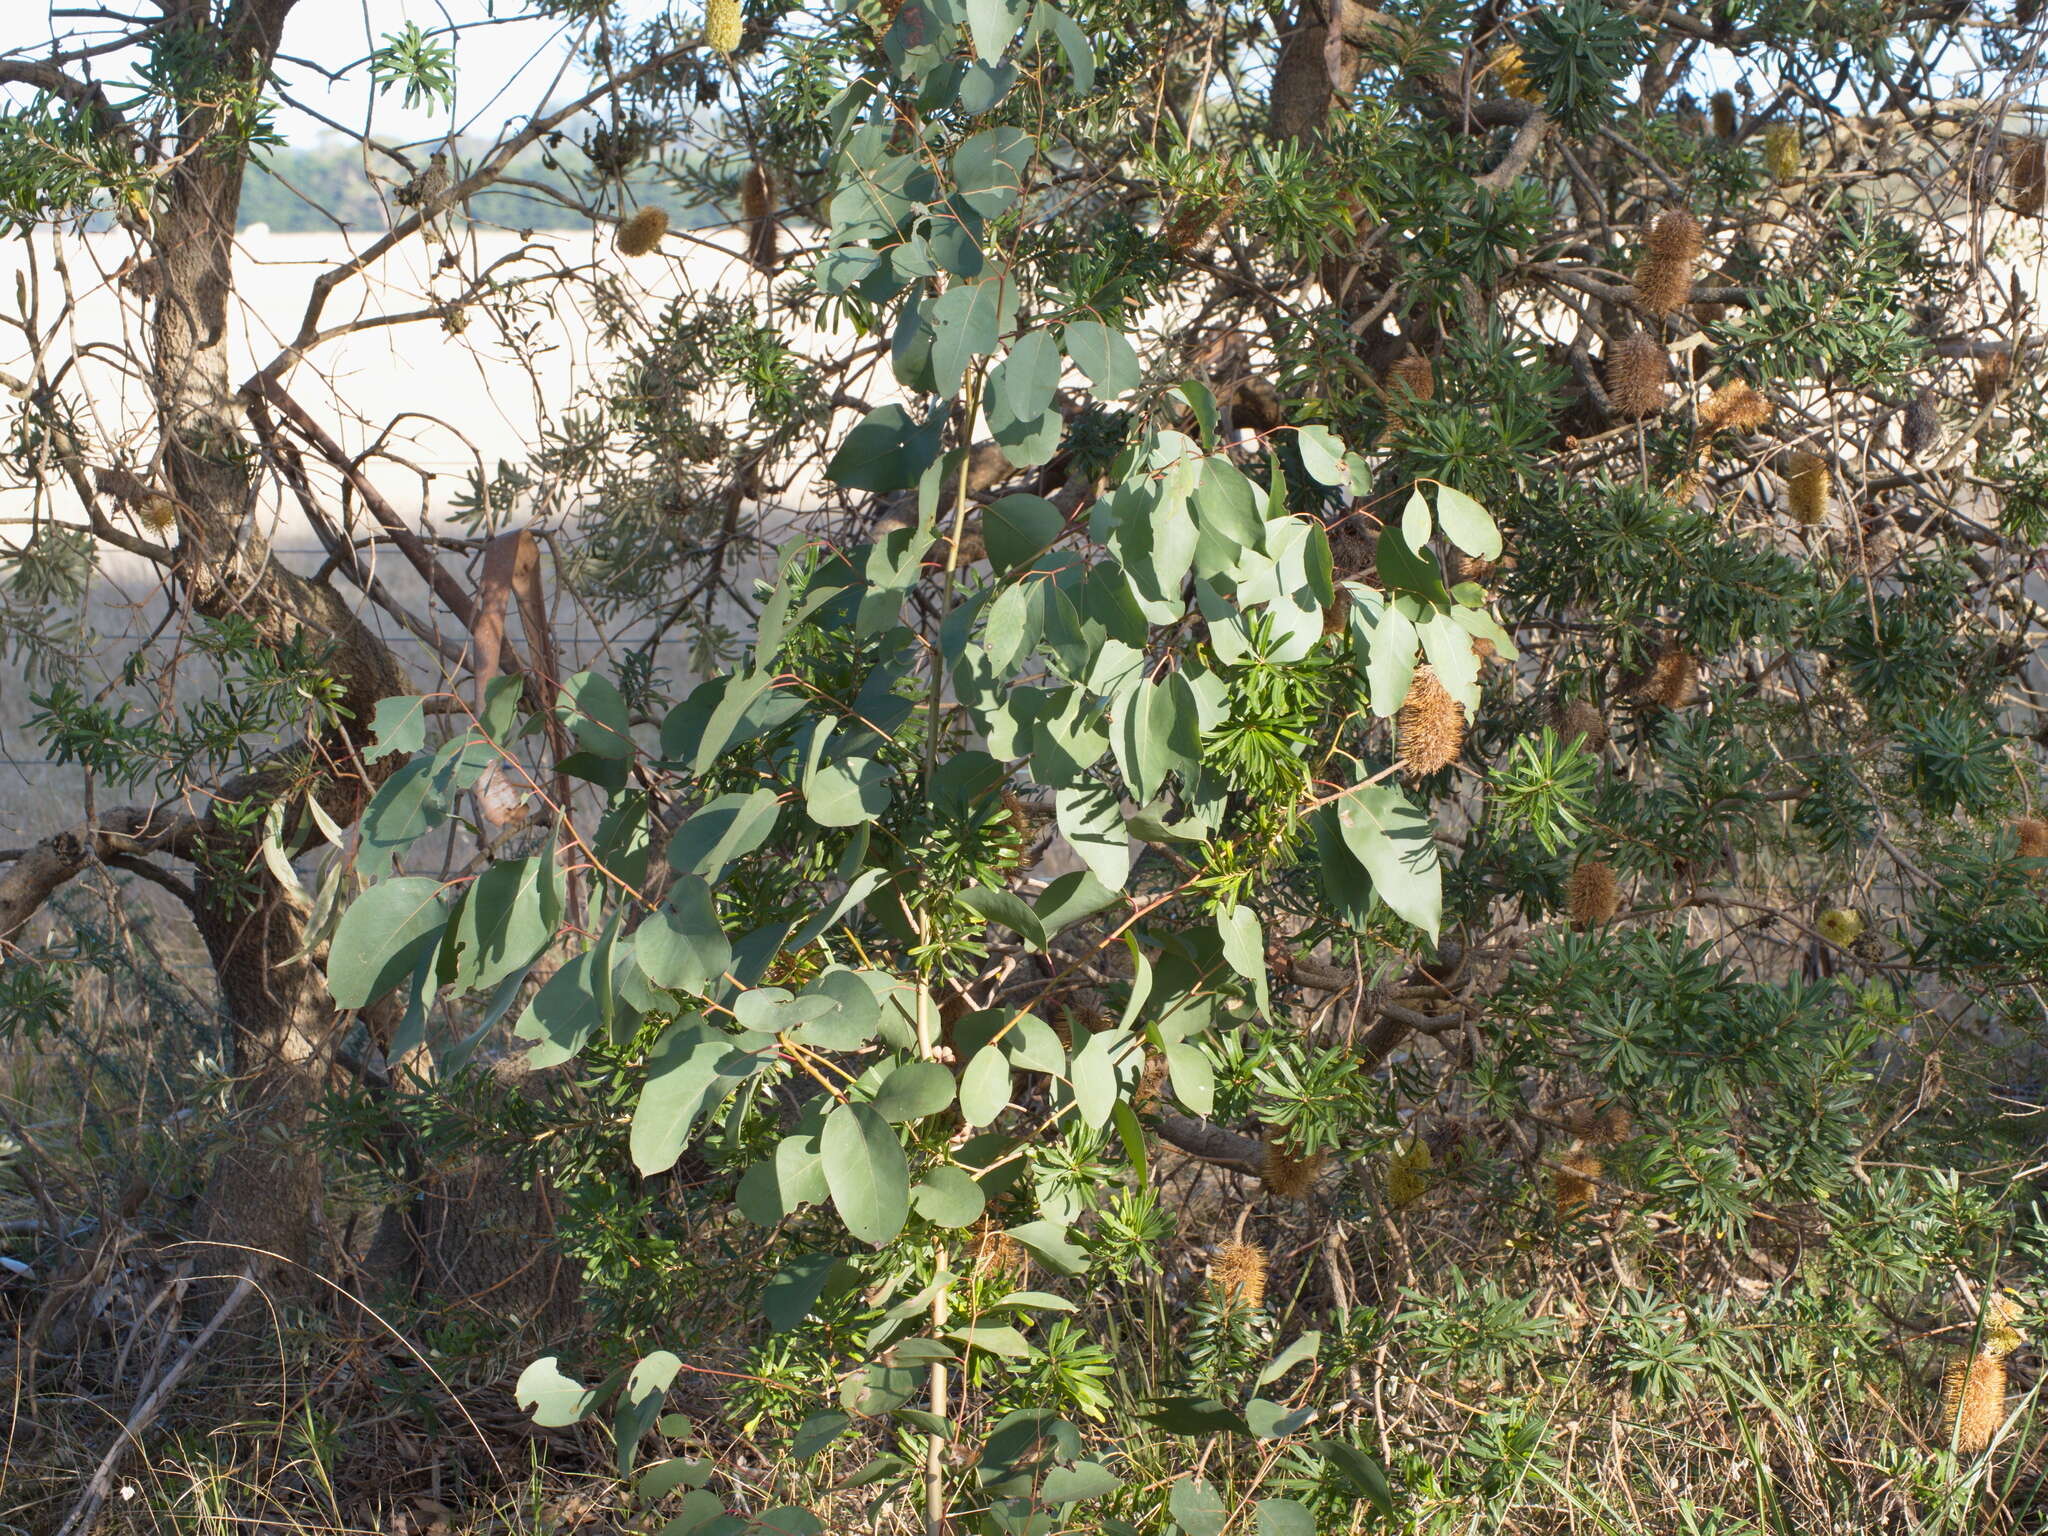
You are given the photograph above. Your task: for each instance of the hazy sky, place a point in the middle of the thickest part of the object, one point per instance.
(504, 68)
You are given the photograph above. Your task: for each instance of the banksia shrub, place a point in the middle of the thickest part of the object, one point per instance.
(1920, 424)
(1574, 1182)
(722, 24)
(1431, 725)
(1808, 487)
(1734, 407)
(1664, 279)
(1592, 896)
(1636, 370)
(1238, 1274)
(2027, 176)
(1724, 115)
(1408, 1172)
(642, 232)
(2033, 835)
(1288, 1175)
(1577, 718)
(1973, 1401)
(1781, 152)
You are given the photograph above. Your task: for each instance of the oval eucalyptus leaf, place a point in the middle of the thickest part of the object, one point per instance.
(680, 946)
(866, 1173)
(985, 1086)
(948, 1197)
(912, 1091)
(1197, 1507)
(382, 937)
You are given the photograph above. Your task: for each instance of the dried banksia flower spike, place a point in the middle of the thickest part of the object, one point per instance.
(1288, 1174)
(1592, 896)
(1408, 1171)
(722, 24)
(1637, 369)
(1412, 376)
(1734, 407)
(1663, 280)
(1808, 487)
(2033, 835)
(1431, 725)
(1574, 1182)
(1238, 1273)
(642, 232)
(1585, 722)
(1724, 114)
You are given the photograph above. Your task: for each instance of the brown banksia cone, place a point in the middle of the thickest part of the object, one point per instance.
(1606, 1124)
(1725, 123)
(1338, 614)
(1672, 681)
(1992, 372)
(1289, 1175)
(2033, 835)
(1592, 896)
(642, 232)
(1574, 1182)
(1781, 152)
(1510, 72)
(1809, 487)
(1578, 719)
(1238, 1274)
(1637, 369)
(1151, 1078)
(1734, 407)
(1920, 423)
(1409, 1171)
(722, 24)
(1664, 278)
(1473, 569)
(2026, 176)
(1973, 1401)
(757, 206)
(1196, 221)
(1413, 377)
(1431, 725)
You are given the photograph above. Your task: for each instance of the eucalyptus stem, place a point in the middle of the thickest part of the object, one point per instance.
(931, 738)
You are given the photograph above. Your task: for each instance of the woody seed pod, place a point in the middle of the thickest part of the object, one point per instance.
(1287, 1175)
(996, 1253)
(2027, 176)
(1431, 725)
(1734, 407)
(1973, 1401)
(1781, 152)
(1808, 488)
(1238, 1273)
(1673, 681)
(1592, 896)
(1992, 372)
(1920, 424)
(1664, 278)
(1636, 371)
(757, 205)
(642, 232)
(722, 24)
(1583, 721)
(1724, 115)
